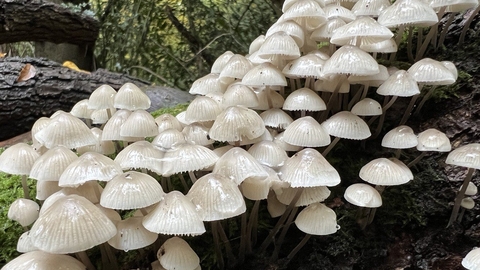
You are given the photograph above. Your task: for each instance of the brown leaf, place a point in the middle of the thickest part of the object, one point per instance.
(2, 55)
(28, 72)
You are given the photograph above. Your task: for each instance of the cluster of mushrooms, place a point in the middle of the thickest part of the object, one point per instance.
(259, 129)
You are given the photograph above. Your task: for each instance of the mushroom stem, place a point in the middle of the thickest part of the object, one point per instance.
(226, 242)
(415, 161)
(184, 183)
(26, 190)
(424, 99)
(431, 33)
(466, 26)
(192, 177)
(410, 44)
(252, 222)
(460, 195)
(281, 238)
(297, 248)
(330, 147)
(460, 215)
(243, 237)
(409, 109)
(398, 39)
(216, 241)
(281, 221)
(445, 29)
(372, 211)
(83, 257)
(108, 258)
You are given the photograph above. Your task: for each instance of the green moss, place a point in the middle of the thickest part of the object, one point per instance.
(450, 91)
(173, 110)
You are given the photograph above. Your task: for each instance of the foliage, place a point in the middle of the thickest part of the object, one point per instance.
(139, 37)
(173, 111)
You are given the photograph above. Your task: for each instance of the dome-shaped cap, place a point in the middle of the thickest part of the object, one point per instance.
(291, 28)
(268, 153)
(363, 195)
(89, 166)
(43, 260)
(472, 260)
(236, 67)
(265, 74)
(279, 43)
(18, 159)
(239, 94)
(141, 154)
(139, 123)
(367, 107)
(23, 211)
(317, 219)
(325, 31)
(433, 140)
(208, 84)
(81, 110)
(467, 203)
(175, 253)
(202, 109)
(238, 165)
(268, 99)
(51, 165)
(131, 190)
(67, 130)
(308, 168)
(24, 244)
(304, 99)
(220, 63)
(284, 145)
(309, 11)
(465, 156)
(306, 66)
(132, 235)
(130, 97)
(309, 195)
(306, 132)
(384, 172)
(334, 11)
(372, 46)
(103, 147)
(187, 158)
(168, 121)
(351, 60)
(274, 207)
(276, 118)
(347, 125)
(40, 124)
(255, 44)
(236, 122)
(256, 188)
(408, 13)
(175, 215)
(111, 130)
(197, 134)
(431, 72)
(370, 7)
(401, 137)
(373, 80)
(102, 98)
(401, 84)
(101, 116)
(471, 189)
(45, 189)
(71, 225)
(362, 27)
(216, 197)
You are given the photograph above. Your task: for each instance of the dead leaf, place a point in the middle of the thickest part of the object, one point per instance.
(27, 72)
(71, 65)
(2, 55)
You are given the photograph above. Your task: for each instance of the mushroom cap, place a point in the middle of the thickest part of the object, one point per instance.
(351, 60)
(276, 118)
(347, 125)
(71, 225)
(363, 195)
(202, 109)
(268, 153)
(431, 72)
(384, 172)
(306, 66)
(401, 84)
(471, 189)
(88, 167)
(81, 110)
(131, 190)
(236, 67)
(281, 44)
(308, 168)
(236, 122)
(239, 94)
(401, 137)
(237, 165)
(274, 207)
(465, 156)
(168, 121)
(256, 188)
(308, 11)
(360, 28)
(67, 130)
(325, 31)
(43, 260)
(208, 84)
(24, 244)
(386, 46)
(370, 8)
(197, 133)
(472, 259)
(306, 132)
(219, 64)
(23, 211)
(291, 28)
(304, 99)
(139, 123)
(141, 154)
(187, 158)
(255, 44)
(175, 253)
(216, 197)
(367, 107)
(408, 13)
(373, 80)
(175, 214)
(18, 159)
(132, 235)
(102, 98)
(433, 140)
(130, 97)
(284, 145)
(52, 163)
(467, 203)
(103, 147)
(45, 189)
(111, 130)
(265, 74)
(336, 11)
(317, 219)
(309, 195)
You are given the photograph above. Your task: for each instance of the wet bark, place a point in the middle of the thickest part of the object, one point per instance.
(52, 88)
(33, 20)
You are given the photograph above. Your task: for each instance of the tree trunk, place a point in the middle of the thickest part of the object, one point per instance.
(52, 88)
(34, 20)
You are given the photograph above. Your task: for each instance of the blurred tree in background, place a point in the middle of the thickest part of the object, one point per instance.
(173, 42)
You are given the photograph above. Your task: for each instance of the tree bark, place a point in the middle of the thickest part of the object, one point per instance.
(52, 88)
(34, 20)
